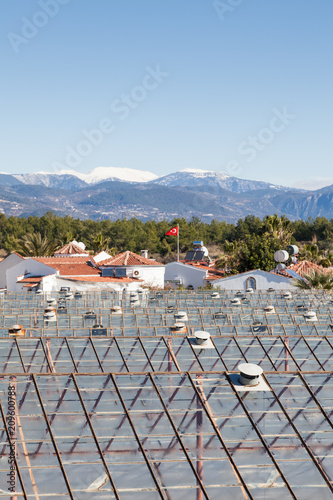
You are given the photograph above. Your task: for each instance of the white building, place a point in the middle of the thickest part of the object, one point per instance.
(131, 265)
(190, 275)
(72, 267)
(258, 280)
(7, 263)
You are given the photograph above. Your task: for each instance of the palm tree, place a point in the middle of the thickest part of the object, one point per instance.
(34, 245)
(100, 243)
(313, 253)
(315, 279)
(278, 227)
(230, 256)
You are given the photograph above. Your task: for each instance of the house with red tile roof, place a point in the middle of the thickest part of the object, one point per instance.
(131, 265)
(72, 267)
(72, 249)
(79, 273)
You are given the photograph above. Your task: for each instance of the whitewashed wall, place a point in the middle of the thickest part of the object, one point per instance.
(151, 275)
(6, 264)
(188, 274)
(263, 279)
(26, 266)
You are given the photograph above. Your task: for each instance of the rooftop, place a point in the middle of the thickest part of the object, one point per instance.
(129, 259)
(134, 410)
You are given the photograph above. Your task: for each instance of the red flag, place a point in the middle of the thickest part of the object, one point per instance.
(172, 232)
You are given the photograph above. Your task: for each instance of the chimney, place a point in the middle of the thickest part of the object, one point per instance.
(144, 254)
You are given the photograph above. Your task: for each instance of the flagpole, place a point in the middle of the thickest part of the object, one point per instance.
(178, 244)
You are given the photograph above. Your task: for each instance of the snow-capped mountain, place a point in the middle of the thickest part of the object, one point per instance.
(74, 179)
(193, 177)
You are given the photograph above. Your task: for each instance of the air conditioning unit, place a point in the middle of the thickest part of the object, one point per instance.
(136, 273)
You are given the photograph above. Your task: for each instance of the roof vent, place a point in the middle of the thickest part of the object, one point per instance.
(116, 310)
(201, 340)
(236, 301)
(202, 337)
(249, 290)
(51, 302)
(16, 331)
(215, 295)
(69, 295)
(178, 328)
(249, 374)
(171, 309)
(181, 315)
(39, 292)
(239, 294)
(310, 316)
(50, 314)
(287, 295)
(78, 295)
(257, 327)
(220, 315)
(269, 309)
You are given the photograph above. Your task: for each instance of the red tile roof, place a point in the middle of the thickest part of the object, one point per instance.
(306, 267)
(70, 249)
(31, 279)
(103, 279)
(71, 266)
(129, 259)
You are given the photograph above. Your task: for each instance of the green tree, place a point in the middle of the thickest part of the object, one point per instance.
(34, 245)
(315, 279)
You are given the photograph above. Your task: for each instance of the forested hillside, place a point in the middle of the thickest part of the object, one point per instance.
(248, 244)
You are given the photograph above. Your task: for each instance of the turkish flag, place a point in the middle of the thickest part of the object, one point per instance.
(172, 232)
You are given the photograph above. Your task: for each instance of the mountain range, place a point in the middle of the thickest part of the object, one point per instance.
(109, 192)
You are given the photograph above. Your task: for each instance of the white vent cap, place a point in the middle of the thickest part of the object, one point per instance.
(181, 314)
(249, 373)
(202, 337)
(178, 326)
(16, 327)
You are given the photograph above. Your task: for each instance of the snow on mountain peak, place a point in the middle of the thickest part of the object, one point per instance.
(123, 174)
(204, 173)
(98, 174)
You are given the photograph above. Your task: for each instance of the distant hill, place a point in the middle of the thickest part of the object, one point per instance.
(115, 193)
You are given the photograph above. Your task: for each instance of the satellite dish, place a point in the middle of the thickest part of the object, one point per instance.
(293, 249)
(281, 256)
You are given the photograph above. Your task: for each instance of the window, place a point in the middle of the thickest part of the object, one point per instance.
(251, 283)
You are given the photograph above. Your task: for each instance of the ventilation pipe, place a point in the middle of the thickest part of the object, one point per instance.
(269, 309)
(236, 301)
(181, 315)
(16, 331)
(116, 310)
(310, 316)
(249, 374)
(215, 295)
(144, 254)
(202, 338)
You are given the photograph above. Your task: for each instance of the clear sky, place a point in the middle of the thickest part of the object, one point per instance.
(238, 86)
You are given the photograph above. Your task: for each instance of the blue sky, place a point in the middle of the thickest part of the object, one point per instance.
(238, 86)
